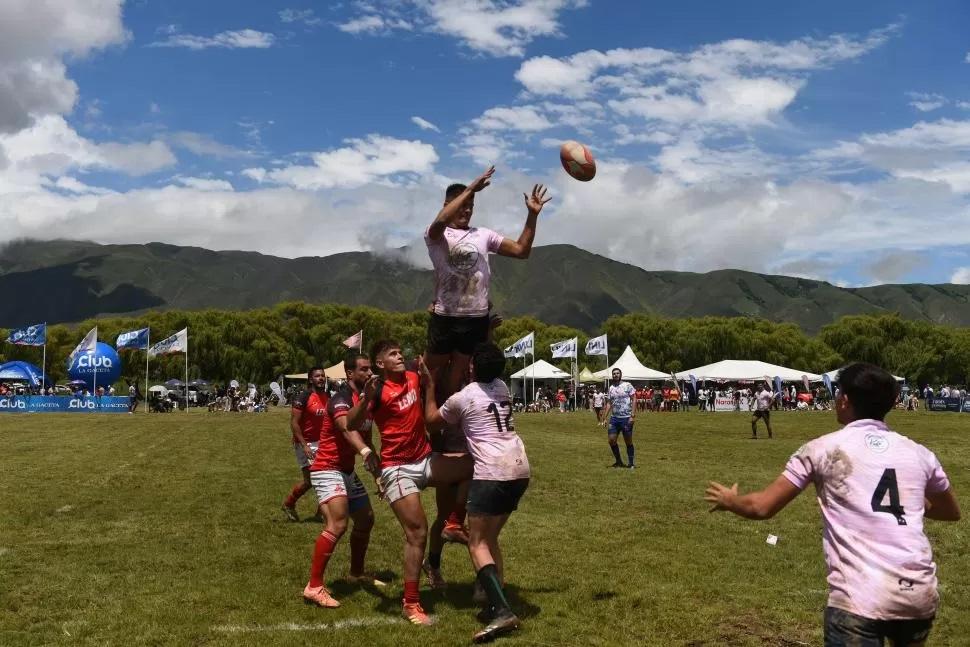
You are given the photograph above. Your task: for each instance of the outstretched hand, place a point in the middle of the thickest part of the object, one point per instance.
(482, 180)
(423, 371)
(537, 200)
(720, 496)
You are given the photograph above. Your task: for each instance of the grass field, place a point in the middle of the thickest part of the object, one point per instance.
(166, 530)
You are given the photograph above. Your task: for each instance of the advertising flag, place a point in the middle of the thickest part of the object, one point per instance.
(597, 346)
(35, 335)
(565, 348)
(177, 343)
(88, 344)
(828, 383)
(354, 341)
(134, 339)
(523, 347)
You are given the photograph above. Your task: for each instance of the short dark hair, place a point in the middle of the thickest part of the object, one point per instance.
(616, 370)
(489, 361)
(350, 360)
(871, 390)
(314, 369)
(380, 347)
(454, 190)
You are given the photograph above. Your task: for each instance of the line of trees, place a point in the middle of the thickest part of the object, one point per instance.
(260, 345)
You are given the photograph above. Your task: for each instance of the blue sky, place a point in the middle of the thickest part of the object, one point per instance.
(817, 139)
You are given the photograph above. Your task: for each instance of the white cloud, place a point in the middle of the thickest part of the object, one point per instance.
(363, 161)
(926, 102)
(204, 184)
(374, 24)
(237, 39)
(305, 16)
(961, 275)
(523, 118)
(493, 27)
(204, 145)
(966, 59)
(424, 124)
(34, 39)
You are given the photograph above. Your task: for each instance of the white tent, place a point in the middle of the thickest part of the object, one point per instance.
(746, 370)
(160, 389)
(541, 370)
(632, 369)
(833, 375)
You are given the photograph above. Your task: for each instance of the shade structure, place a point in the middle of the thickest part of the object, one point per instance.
(586, 376)
(632, 369)
(18, 371)
(296, 376)
(336, 372)
(174, 383)
(746, 370)
(541, 370)
(834, 376)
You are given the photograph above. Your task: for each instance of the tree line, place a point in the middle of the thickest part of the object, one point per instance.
(260, 345)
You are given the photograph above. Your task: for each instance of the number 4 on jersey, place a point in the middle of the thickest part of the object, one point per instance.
(887, 485)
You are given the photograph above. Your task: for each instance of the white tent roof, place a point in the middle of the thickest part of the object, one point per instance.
(833, 375)
(735, 369)
(541, 370)
(632, 369)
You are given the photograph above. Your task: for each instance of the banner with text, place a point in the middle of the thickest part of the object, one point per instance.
(63, 404)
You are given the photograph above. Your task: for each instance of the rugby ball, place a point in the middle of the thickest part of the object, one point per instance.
(578, 161)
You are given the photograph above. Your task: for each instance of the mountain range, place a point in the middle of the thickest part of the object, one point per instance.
(67, 281)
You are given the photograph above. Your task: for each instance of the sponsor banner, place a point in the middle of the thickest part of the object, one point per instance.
(35, 335)
(943, 404)
(63, 404)
(723, 403)
(134, 339)
(597, 346)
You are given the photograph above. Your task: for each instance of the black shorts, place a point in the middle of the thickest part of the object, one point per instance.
(762, 414)
(449, 334)
(495, 497)
(844, 628)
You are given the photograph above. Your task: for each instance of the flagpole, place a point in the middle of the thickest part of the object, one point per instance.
(148, 345)
(43, 365)
(186, 369)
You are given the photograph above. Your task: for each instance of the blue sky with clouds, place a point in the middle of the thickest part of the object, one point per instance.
(816, 139)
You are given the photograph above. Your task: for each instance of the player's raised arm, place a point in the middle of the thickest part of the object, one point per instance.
(432, 418)
(756, 505)
(522, 247)
(452, 207)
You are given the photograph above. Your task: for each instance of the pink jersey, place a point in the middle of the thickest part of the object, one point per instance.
(461, 270)
(485, 414)
(870, 484)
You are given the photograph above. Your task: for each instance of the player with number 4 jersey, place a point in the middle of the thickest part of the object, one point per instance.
(874, 488)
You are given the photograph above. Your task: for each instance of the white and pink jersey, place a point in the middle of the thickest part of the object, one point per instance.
(461, 270)
(870, 484)
(485, 414)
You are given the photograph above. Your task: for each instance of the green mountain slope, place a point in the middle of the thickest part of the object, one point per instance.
(62, 281)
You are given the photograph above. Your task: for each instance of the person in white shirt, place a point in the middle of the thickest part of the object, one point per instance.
(762, 410)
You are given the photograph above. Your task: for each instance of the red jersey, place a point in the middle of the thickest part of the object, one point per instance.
(313, 416)
(400, 421)
(334, 452)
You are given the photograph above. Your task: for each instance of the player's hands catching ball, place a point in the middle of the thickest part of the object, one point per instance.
(482, 180)
(537, 200)
(720, 496)
(423, 372)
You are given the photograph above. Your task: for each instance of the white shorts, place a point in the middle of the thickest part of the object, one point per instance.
(401, 480)
(301, 458)
(329, 484)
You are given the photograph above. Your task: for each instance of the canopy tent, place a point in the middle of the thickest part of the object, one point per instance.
(834, 376)
(336, 372)
(745, 371)
(632, 369)
(541, 370)
(17, 371)
(174, 383)
(296, 376)
(586, 376)
(160, 389)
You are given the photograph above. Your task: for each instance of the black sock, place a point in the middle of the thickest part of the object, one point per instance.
(616, 453)
(434, 560)
(488, 578)
(629, 453)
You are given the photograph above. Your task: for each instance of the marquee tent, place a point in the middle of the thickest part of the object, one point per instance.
(632, 369)
(296, 376)
(540, 370)
(336, 372)
(586, 376)
(17, 371)
(833, 375)
(746, 370)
